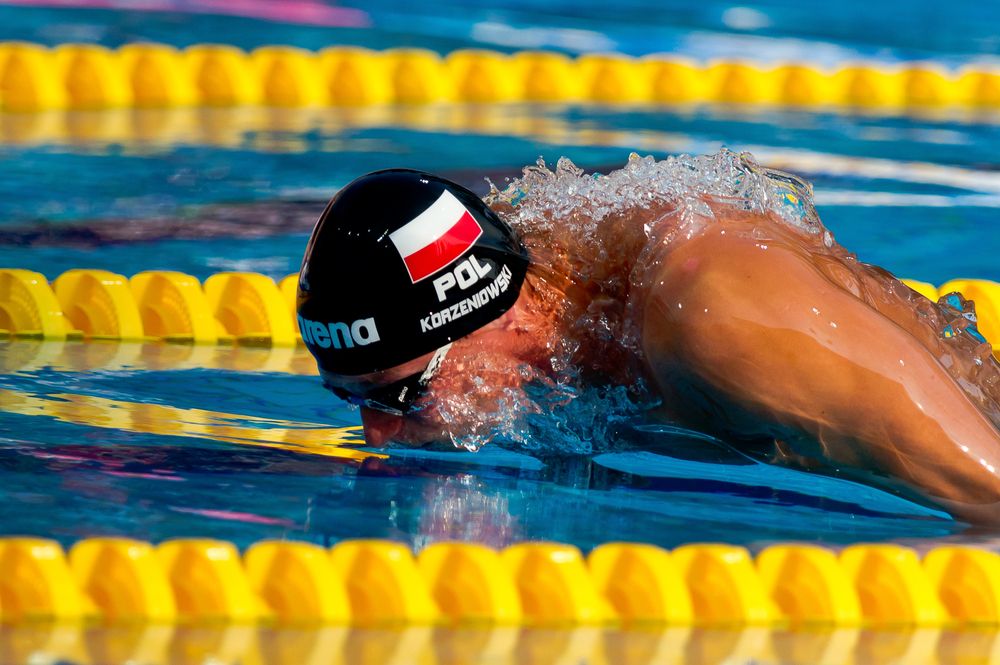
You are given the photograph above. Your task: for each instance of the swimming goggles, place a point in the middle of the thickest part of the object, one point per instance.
(399, 397)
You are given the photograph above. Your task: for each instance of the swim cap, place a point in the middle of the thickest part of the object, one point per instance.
(401, 263)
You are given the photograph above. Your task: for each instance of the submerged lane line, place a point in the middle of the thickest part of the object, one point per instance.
(849, 198)
(299, 437)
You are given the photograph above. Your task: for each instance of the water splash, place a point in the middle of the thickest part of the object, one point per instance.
(596, 234)
(691, 182)
(550, 418)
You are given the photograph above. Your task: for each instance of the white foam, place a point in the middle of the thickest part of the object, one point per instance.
(690, 181)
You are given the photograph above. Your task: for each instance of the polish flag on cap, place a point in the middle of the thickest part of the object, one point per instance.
(436, 237)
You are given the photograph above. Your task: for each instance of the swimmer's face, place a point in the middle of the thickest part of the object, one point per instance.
(380, 425)
(475, 371)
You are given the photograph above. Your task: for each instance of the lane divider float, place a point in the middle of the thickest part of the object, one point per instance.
(231, 307)
(236, 307)
(378, 582)
(149, 75)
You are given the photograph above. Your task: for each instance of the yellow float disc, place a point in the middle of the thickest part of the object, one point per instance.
(100, 303)
(28, 306)
(249, 306)
(172, 305)
(94, 76)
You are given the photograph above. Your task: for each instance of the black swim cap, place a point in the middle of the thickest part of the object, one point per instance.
(401, 263)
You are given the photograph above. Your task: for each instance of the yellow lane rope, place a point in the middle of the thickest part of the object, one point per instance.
(144, 75)
(240, 308)
(377, 582)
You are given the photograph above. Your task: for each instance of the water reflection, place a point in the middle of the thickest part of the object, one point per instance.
(303, 645)
(281, 130)
(293, 130)
(122, 416)
(20, 356)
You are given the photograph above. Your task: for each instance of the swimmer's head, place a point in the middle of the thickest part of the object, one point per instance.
(400, 265)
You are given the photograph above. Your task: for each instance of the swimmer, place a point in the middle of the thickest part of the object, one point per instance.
(706, 286)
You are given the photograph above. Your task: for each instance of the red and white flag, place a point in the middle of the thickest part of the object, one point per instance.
(436, 237)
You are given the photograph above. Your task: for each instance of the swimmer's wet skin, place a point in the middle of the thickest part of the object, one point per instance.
(707, 285)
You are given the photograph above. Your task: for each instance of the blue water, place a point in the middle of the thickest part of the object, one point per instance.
(766, 29)
(108, 463)
(155, 442)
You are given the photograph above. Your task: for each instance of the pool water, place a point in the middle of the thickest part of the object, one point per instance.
(158, 441)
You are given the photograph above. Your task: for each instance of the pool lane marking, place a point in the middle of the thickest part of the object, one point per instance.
(164, 420)
(915, 172)
(865, 199)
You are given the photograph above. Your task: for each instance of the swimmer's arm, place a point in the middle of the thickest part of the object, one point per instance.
(759, 338)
